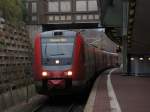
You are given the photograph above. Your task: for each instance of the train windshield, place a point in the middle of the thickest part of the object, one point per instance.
(57, 51)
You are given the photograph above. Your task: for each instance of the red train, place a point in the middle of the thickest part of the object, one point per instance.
(64, 62)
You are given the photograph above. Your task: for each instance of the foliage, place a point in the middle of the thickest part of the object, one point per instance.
(13, 10)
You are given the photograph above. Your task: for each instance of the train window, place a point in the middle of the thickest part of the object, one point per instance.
(57, 49)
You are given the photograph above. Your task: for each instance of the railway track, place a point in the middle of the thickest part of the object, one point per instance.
(61, 105)
(69, 103)
(75, 108)
(71, 108)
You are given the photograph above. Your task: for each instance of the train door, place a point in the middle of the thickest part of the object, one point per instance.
(90, 67)
(91, 58)
(108, 60)
(94, 60)
(104, 58)
(86, 64)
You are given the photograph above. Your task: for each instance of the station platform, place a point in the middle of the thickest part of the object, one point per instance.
(117, 92)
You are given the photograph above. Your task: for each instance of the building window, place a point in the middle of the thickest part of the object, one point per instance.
(84, 17)
(34, 7)
(56, 18)
(53, 7)
(92, 5)
(62, 18)
(51, 18)
(90, 17)
(34, 18)
(78, 17)
(68, 18)
(81, 5)
(27, 5)
(65, 6)
(96, 16)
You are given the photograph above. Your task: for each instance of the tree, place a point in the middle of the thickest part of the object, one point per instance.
(13, 10)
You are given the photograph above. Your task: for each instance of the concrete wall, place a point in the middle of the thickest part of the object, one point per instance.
(33, 30)
(16, 96)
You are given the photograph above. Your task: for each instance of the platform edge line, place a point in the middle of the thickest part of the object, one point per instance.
(115, 107)
(91, 100)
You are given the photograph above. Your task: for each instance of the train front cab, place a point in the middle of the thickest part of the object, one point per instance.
(58, 71)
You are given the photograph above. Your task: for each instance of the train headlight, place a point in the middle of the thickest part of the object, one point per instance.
(57, 61)
(68, 73)
(44, 74)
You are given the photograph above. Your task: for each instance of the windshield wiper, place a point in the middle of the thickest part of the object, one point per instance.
(57, 54)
